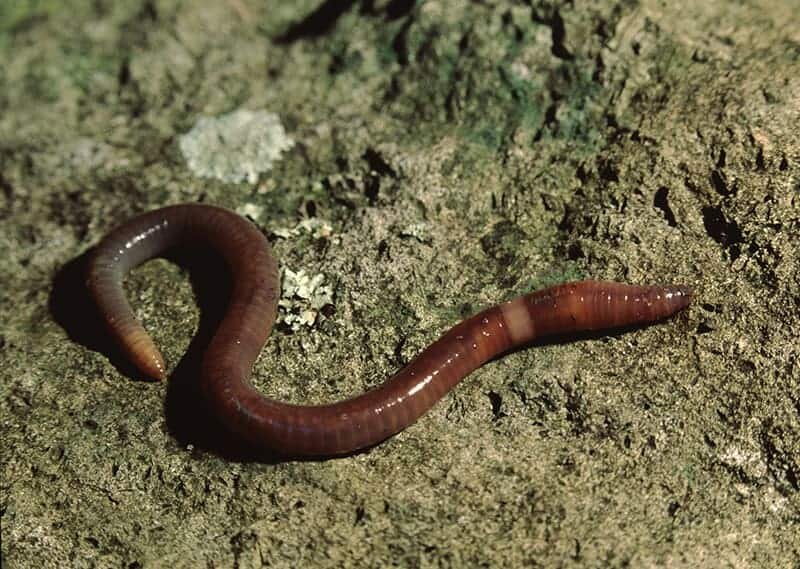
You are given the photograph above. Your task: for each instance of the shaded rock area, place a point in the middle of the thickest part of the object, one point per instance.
(446, 156)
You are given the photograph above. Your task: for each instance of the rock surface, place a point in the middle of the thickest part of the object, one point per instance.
(447, 156)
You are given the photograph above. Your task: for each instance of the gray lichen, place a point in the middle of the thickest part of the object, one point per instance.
(235, 147)
(303, 297)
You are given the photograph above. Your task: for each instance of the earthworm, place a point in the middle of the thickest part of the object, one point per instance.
(352, 424)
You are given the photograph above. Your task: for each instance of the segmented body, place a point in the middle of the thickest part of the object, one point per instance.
(352, 424)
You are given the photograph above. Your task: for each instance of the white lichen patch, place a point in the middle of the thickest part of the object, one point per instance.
(251, 210)
(235, 147)
(317, 228)
(303, 297)
(418, 231)
(747, 458)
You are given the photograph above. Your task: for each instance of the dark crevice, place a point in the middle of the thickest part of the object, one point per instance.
(508, 24)
(372, 189)
(378, 170)
(726, 233)
(582, 173)
(550, 119)
(558, 34)
(377, 164)
(673, 508)
(721, 159)
(360, 514)
(550, 114)
(6, 187)
(704, 328)
(661, 201)
(383, 251)
(317, 23)
(394, 10)
(398, 9)
(124, 74)
(608, 171)
(760, 158)
(497, 403)
(460, 85)
(719, 183)
(149, 11)
(599, 68)
(575, 252)
(400, 43)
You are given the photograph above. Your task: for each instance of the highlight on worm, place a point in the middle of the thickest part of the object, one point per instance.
(362, 421)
